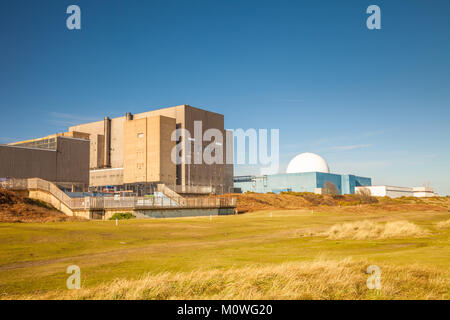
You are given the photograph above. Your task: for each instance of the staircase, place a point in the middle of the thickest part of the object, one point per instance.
(92, 207)
(42, 190)
(168, 192)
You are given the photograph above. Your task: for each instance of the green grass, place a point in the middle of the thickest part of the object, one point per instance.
(34, 257)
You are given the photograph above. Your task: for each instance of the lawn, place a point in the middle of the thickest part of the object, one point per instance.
(34, 256)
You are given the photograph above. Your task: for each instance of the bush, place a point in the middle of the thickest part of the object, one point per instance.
(329, 188)
(365, 196)
(366, 229)
(122, 216)
(348, 203)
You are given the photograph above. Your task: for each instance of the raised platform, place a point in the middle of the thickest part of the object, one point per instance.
(104, 207)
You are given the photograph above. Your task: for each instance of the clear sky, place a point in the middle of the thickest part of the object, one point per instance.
(371, 102)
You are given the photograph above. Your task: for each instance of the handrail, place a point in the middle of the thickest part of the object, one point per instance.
(161, 187)
(172, 199)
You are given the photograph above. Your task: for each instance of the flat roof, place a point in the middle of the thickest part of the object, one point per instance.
(31, 148)
(144, 112)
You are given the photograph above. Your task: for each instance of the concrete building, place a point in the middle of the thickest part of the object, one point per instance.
(396, 192)
(133, 152)
(307, 172)
(62, 159)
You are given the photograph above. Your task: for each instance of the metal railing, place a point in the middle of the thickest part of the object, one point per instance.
(115, 202)
(169, 192)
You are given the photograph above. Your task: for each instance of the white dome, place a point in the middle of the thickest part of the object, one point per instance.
(307, 162)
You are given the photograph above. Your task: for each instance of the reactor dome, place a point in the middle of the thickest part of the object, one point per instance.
(307, 162)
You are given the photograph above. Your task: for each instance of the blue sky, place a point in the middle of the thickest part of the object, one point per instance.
(372, 102)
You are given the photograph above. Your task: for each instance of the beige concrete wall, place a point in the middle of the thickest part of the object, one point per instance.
(127, 151)
(167, 167)
(83, 214)
(147, 150)
(117, 142)
(68, 164)
(135, 158)
(72, 161)
(219, 176)
(97, 147)
(21, 162)
(104, 177)
(51, 199)
(96, 136)
(74, 134)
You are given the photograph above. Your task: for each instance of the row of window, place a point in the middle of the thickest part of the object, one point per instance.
(40, 144)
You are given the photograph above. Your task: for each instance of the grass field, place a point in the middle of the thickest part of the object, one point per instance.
(264, 254)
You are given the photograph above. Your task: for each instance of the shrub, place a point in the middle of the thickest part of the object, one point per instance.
(348, 203)
(366, 229)
(365, 196)
(330, 188)
(122, 216)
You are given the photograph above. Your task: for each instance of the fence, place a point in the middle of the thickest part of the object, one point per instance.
(131, 203)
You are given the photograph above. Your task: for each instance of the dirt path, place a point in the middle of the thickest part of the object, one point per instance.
(146, 249)
(162, 247)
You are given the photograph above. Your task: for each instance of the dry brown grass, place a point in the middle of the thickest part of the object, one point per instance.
(443, 224)
(15, 207)
(320, 279)
(249, 202)
(366, 229)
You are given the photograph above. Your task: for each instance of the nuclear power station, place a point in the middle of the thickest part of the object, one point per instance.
(307, 172)
(134, 154)
(130, 153)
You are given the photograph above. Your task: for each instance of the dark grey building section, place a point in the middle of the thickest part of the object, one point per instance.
(25, 162)
(63, 160)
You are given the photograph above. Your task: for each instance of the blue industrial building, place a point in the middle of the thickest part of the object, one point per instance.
(307, 172)
(300, 182)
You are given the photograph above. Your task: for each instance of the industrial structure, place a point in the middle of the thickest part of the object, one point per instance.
(104, 207)
(133, 152)
(62, 159)
(307, 172)
(130, 160)
(396, 192)
(130, 153)
(133, 155)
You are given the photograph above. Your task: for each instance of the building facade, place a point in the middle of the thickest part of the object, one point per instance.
(62, 159)
(300, 182)
(396, 192)
(134, 152)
